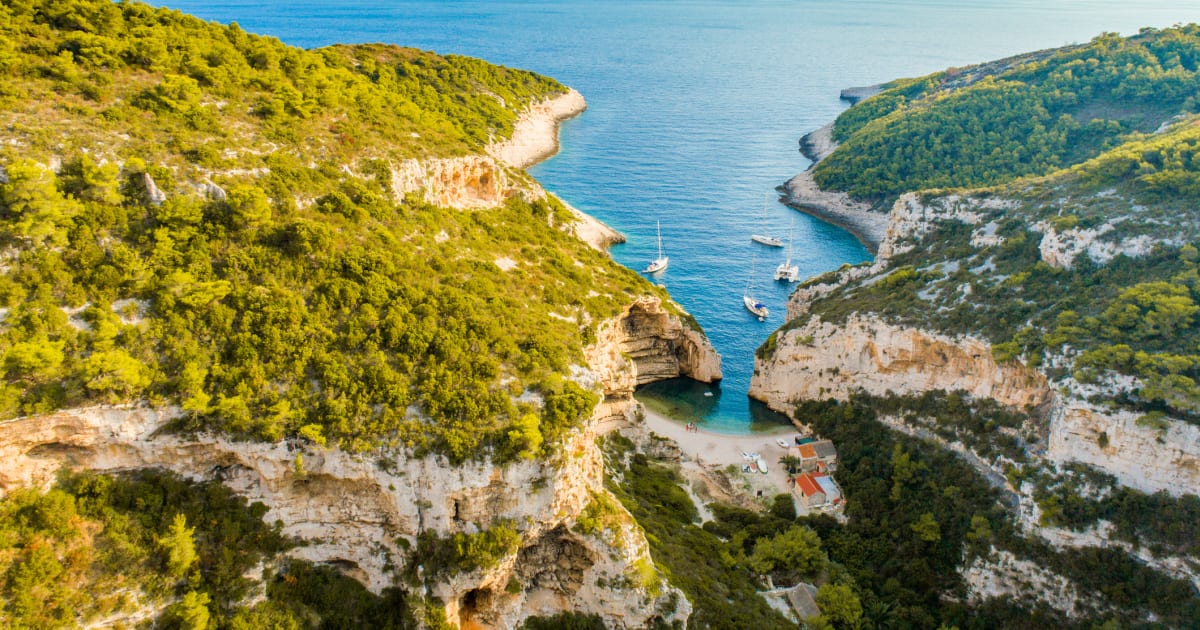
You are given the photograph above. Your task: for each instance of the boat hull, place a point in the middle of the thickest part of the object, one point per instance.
(769, 241)
(658, 265)
(755, 307)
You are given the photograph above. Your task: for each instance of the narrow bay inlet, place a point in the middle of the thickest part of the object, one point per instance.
(359, 315)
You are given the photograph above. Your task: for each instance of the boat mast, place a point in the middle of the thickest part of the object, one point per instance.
(658, 225)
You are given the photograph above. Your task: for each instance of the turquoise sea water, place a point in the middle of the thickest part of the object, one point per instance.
(695, 109)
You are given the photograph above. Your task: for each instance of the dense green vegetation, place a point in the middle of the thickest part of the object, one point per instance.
(201, 96)
(988, 428)
(291, 326)
(905, 569)
(1032, 116)
(461, 552)
(305, 300)
(565, 621)
(98, 547)
(719, 566)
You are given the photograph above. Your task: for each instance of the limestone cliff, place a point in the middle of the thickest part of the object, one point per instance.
(1145, 458)
(467, 183)
(363, 512)
(821, 360)
(816, 359)
(354, 510)
(646, 344)
(486, 181)
(535, 134)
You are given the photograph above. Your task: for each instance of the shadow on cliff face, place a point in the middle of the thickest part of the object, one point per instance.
(556, 562)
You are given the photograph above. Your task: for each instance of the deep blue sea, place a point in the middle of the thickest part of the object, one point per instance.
(695, 109)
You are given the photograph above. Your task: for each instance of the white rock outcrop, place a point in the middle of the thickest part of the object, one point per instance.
(1060, 248)
(535, 134)
(1001, 574)
(1139, 457)
(821, 360)
(467, 183)
(646, 344)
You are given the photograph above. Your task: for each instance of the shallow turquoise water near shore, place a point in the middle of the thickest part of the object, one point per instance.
(695, 109)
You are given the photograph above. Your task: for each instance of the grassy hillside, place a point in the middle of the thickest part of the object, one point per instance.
(305, 300)
(1031, 115)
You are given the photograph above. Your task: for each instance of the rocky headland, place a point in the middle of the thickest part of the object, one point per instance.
(535, 134)
(353, 510)
(802, 193)
(362, 512)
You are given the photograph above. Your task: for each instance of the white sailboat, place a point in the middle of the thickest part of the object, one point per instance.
(660, 263)
(756, 308)
(786, 271)
(769, 241)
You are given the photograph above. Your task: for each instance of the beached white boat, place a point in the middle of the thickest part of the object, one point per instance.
(786, 271)
(762, 465)
(660, 263)
(769, 241)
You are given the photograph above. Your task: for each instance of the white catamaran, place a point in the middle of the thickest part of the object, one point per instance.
(756, 308)
(770, 241)
(660, 263)
(786, 271)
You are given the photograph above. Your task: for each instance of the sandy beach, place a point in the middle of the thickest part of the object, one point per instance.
(706, 450)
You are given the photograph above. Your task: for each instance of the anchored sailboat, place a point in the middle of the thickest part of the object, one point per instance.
(770, 241)
(756, 308)
(786, 271)
(660, 263)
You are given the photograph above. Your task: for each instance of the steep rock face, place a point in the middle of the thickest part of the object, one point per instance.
(353, 509)
(1140, 457)
(484, 181)
(465, 183)
(1002, 574)
(646, 344)
(821, 360)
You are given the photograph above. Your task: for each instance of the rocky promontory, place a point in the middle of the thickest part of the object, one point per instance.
(802, 193)
(535, 134)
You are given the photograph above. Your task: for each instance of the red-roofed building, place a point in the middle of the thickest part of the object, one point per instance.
(818, 455)
(811, 492)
